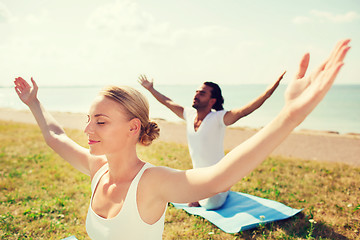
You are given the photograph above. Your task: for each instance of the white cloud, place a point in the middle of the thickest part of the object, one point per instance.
(120, 16)
(5, 14)
(335, 18)
(38, 18)
(205, 35)
(323, 16)
(130, 25)
(246, 44)
(127, 22)
(301, 20)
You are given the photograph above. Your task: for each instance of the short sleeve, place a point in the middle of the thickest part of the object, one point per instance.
(220, 116)
(186, 112)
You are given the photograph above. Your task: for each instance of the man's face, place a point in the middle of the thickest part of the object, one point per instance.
(202, 98)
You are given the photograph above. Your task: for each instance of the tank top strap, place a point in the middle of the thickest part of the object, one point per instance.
(98, 175)
(140, 173)
(134, 184)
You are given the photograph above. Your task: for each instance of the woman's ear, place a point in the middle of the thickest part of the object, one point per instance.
(134, 126)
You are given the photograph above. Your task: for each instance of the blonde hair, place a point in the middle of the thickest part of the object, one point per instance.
(137, 106)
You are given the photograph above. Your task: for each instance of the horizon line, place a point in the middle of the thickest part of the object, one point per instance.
(184, 84)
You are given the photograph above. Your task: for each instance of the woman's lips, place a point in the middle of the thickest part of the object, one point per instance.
(90, 142)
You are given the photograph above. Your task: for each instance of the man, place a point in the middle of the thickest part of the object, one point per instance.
(206, 128)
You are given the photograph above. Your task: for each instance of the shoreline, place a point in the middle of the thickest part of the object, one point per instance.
(301, 144)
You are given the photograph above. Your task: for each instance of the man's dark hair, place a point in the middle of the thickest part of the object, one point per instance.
(216, 93)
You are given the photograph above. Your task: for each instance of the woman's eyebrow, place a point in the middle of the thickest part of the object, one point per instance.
(101, 115)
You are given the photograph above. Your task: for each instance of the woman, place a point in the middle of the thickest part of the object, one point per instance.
(129, 196)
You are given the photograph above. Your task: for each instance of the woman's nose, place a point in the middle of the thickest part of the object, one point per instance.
(88, 128)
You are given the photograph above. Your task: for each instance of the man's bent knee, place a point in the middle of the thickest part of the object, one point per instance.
(214, 202)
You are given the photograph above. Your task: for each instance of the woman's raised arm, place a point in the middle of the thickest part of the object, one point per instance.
(53, 133)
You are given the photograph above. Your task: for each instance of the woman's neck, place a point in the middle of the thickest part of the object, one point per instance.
(123, 166)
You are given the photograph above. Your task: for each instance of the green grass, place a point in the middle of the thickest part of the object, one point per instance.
(43, 197)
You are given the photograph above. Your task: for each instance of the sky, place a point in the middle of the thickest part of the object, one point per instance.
(92, 42)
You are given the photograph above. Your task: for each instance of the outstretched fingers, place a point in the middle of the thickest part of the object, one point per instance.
(23, 83)
(333, 62)
(35, 86)
(333, 66)
(18, 85)
(281, 77)
(17, 90)
(142, 78)
(304, 63)
(330, 75)
(341, 55)
(338, 54)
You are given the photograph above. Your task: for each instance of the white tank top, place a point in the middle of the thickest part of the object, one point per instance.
(127, 224)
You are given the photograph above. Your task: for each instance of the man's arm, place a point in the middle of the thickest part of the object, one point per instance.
(235, 114)
(149, 85)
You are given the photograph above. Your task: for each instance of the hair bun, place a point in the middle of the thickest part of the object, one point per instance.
(150, 133)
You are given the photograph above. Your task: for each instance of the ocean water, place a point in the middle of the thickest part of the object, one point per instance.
(339, 111)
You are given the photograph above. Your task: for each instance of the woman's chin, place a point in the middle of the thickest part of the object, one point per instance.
(95, 152)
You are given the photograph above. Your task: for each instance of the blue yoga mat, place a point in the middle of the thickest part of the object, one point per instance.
(70, 238)
(242, 211)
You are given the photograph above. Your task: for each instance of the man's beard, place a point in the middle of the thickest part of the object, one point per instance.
(199, 105)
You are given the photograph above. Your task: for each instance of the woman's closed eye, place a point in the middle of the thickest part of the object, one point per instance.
(99, 119)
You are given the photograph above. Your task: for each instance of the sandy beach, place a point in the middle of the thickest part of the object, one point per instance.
(302, 144)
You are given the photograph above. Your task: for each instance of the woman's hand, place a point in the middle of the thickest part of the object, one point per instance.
(304, 93)
(26, 93)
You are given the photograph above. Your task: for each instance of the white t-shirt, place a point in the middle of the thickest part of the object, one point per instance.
(206, 145)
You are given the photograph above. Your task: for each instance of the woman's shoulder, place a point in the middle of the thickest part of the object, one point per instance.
(158, 174)
(95, 163)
